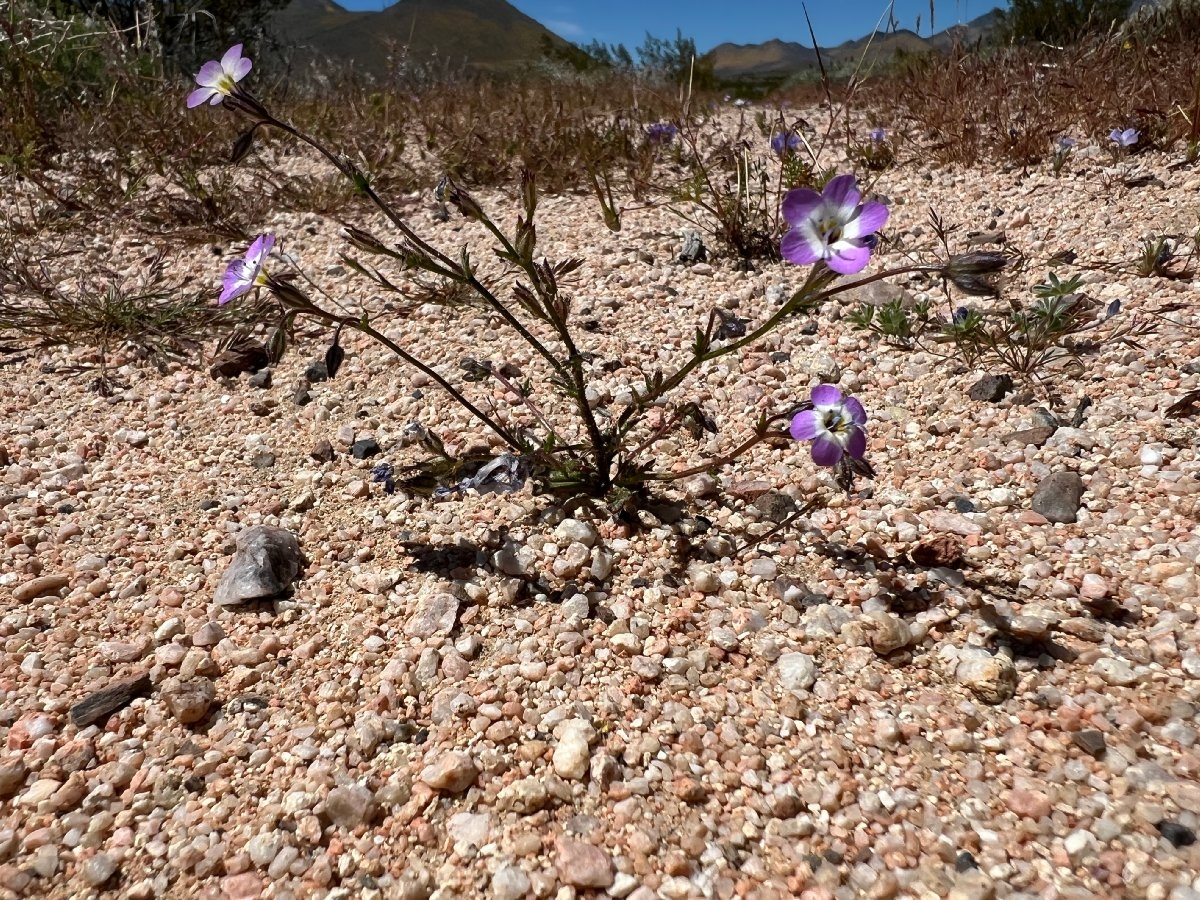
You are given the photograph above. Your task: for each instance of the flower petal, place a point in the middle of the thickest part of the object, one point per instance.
(826, 451)
(260, 249)
(856, 443)
(199, 96)
(235, 282)
(242, 68)
(806, 425)
(799, 204)
(210, 74)
(842, 197)
(857, 414)
(232, 57)
(800, 248)
(848, 257)
(870, 219)
(826, 396)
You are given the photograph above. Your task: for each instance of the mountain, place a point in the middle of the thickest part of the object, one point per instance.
(488, 35)
(780, 58)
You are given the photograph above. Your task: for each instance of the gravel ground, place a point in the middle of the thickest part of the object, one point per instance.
(489, 697)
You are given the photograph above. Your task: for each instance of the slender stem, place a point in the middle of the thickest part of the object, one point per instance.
(721, 460)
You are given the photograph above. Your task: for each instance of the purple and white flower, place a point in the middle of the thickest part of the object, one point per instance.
(834, 425)
(1126, 138)
(834, 226)
(661, 132)
(878, 135)
(243, 274)
(1066, 144)
(218, 79)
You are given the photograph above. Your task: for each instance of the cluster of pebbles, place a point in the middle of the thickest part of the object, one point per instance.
(977, 676)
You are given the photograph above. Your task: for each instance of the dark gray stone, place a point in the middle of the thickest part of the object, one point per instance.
(316, 371)
(267, 561)
(302, 397)
(364, 448)
(693, 248)
(109, 699)
(1058, 497)
(261, 379)
(1091, 742)
(322, 451)
(991, 388)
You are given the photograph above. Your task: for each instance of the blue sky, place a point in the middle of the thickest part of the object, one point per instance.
(711, 22)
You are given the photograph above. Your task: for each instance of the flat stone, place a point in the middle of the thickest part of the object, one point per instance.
(1036, 436)
(246, 886)
(991, 388)
(510, 883)
(1091, 742)
(1027, 804)
(108, 699)
(583, 865)
(245, 357)
(40, 587)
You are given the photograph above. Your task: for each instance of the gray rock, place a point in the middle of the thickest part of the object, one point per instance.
(1058, 497)
(991, 388)
(992, 679)
(98, 869)
(350, 806)
(267, 561)
(693, 248)
(510, 883)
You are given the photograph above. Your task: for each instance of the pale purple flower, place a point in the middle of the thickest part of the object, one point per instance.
(878, 135)
(1066, 144)
(243, 274)
(1126, 138)
(218, 80)
(833, 226)
(834, 425)
(785, 142)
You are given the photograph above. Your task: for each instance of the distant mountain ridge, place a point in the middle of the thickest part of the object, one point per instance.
(493, 35)
(777, 57)
(488, 35)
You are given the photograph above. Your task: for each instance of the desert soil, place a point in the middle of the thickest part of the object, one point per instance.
(493, 696)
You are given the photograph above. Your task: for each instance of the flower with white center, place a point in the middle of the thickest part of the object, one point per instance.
(833, 226)
(834, 425)
(1124, 139)
(243, 274)
(218, 79)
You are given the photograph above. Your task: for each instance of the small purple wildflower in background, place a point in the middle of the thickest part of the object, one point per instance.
(1126, 138)
(878, 135)
(960, 315)
(832, 226)
(218, 80)
(661, 132)
(834, 425)
(1066, 143)
(243, 274)
(785, 142)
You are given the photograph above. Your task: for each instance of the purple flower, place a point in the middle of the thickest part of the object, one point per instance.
(834, 425)
(785, 142)
(661, 132)
(243, 274)
(878, 135)
(1126, 138)
(1066, 143)
(832, 226)
(218, 80)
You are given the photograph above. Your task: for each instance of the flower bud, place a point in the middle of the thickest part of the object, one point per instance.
(449, 192)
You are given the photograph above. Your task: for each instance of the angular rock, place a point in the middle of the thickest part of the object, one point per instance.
(436, 614)
(365, 448)
(942, 550)
(583, 865)
(573, 753)
(991, 388)
(322, 451)
(1058, 497)
(108, 699)
(267, 562)
(1091, 742)
(452, 771)
(189, 700)
(885, 632)
(993, 679)
(1036, 436)
(350, 806)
